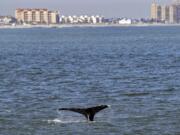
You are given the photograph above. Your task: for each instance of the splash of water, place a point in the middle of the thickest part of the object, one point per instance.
(65, 121)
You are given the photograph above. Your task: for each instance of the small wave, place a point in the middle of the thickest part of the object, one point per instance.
(170, 89)
(136, 94)
(8, 111)
(65, 121)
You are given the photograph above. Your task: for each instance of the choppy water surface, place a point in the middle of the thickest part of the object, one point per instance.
(135, 70)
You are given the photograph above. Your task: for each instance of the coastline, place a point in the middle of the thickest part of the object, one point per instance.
(83, 25)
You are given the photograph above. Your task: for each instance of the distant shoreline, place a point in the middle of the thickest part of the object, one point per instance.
(82, 25)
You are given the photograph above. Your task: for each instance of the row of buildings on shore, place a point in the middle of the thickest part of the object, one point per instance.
(45, 16)
(169, 14)
(85, 19)
(166, 13)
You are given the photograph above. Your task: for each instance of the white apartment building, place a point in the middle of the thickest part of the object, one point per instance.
(81, 19)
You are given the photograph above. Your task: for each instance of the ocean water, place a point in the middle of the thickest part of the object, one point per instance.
(136, 70)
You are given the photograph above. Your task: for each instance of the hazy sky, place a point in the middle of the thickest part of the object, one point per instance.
(108, 8)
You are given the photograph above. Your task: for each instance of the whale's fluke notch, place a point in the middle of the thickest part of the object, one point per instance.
(89, 113)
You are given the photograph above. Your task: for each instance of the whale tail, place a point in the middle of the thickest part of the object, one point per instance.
(89, 113)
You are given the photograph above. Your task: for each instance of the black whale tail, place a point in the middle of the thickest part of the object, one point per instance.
(89, 113)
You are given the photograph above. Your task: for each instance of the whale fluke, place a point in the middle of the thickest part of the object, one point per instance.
(89, 113)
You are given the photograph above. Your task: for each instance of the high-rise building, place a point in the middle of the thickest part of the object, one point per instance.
(177, 13)
(172, 14)
(37, 16)
(159, 13)
(165, 13)
(156, 11)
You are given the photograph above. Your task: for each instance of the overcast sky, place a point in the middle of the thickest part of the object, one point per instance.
(108, 8)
